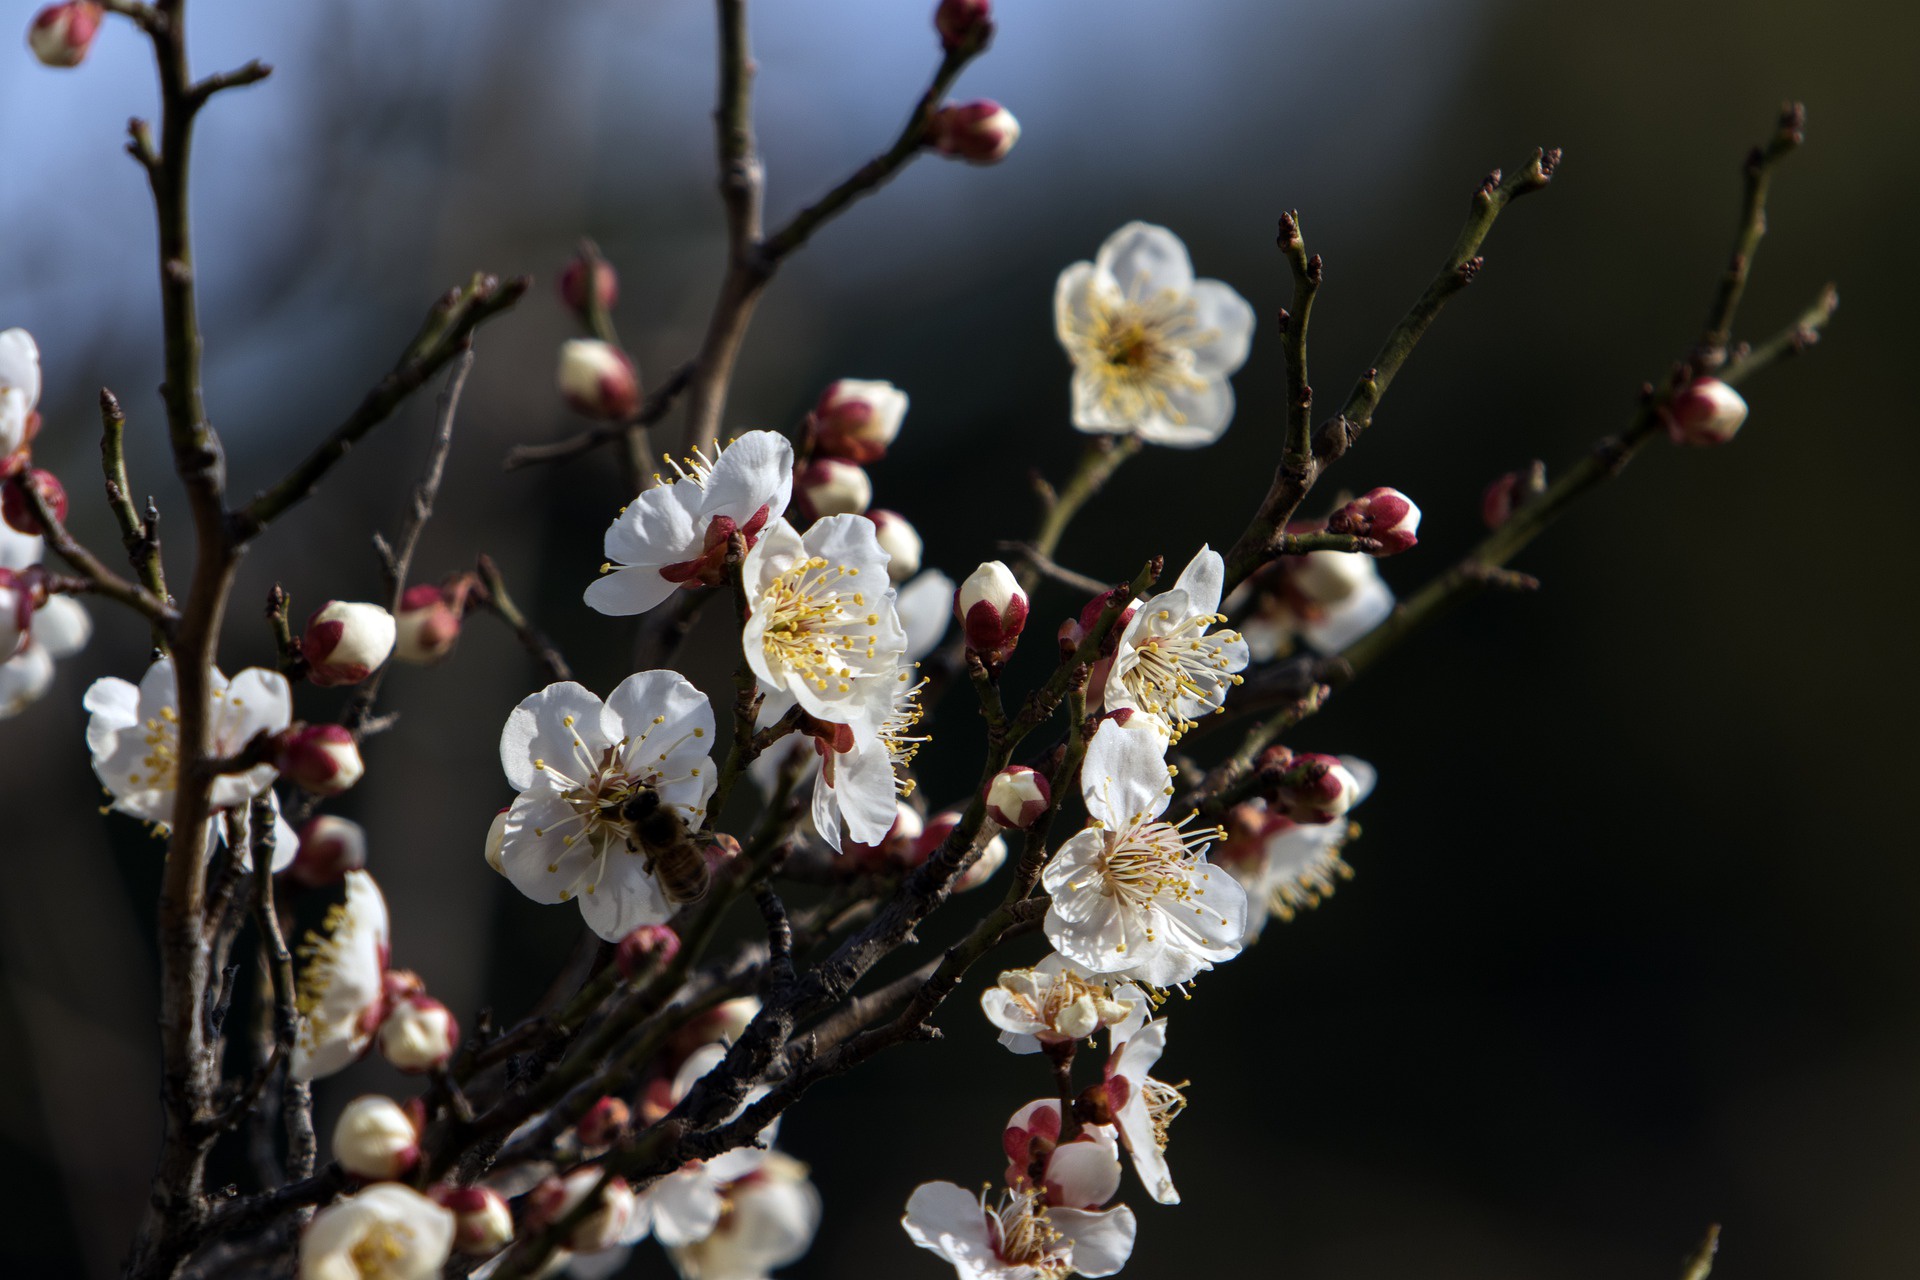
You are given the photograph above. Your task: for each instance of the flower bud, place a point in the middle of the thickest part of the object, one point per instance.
(991, 859)
(960, 22)
(992, 610)
(830, 487)
(375, 1139)
(16, 612)
(1707, 411)
(18, 512)
(1017, 796)
(482, 1222)
(721, 852)
(1511, 492)
(1074, 631)
(723, 1023)
(557, 1197)
(598, 380)
(345, 642)
(419, 1035)
(496, 837)
(857, 420)
(605, 1123)
(426, 627)
(329, 848)
(645, 947)
(573, 283)
(61, 34)
(1330, 577)
(980, 132)
(323, 758)
(896, 847)
(1314, 789)
(901, 542)
(1387, 516)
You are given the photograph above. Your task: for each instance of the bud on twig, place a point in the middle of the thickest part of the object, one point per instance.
(992, 610)
(1310, 788)
(322, 758)
(573, 283)
(961, 22)
(857, 420)
(427, 626)
(17, 509)
(61, 34)
(329, 848)
(1705, 412)
(605, 1123)
(980, 132)
(900, 540)
(419, 1035)
(598, 380)
(376, 1139)
(645, 947)
(482, 1223)
(1017, 796)
(831, 487)
(1385, 515)
(344, 642)
(558, 1197)
(1511, 492)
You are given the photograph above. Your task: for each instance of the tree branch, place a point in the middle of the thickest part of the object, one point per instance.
(1789, 131)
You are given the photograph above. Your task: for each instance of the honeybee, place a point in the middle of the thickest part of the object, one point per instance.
(674, 859)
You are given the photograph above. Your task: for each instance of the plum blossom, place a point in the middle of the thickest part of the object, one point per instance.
(342, 989)
(1168, 664)
(1152, 348)
(57, 628)
(771, 1216)
(1057, 1002)
(1143, 1107)
(386, 1232)
(1329, 599)
(1134, 896)
(1286, 866)
(1018, 1239)
(578, 763)
(19, 396)
(676, 533)
(686, 1205)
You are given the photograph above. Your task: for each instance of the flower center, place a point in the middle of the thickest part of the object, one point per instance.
(1164, 1103)
(162, 761)
(1139, 353)
(814, 623)
(1184, 662)
(1147, 861)
(379, 1253)
(1022, 1236)
(605, 788)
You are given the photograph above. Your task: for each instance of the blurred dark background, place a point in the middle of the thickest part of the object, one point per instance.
(1632, 944)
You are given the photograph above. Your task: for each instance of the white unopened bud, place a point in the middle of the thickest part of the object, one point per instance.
(991, 859)
(329, 848)
(376, 1139)
(830, 487)
(322, 758)
(857, 420)
(597, 379)
(61, 34)
(901, 542)
(1706, 412)
(427, 626)
(419, 1035)
(992, 610)
(345, 642)
(1017, 796)
(978, 132)
(1329, 577)
(1387, 516)
(482, 1222)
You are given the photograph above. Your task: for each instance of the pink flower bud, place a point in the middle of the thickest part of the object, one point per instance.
(482, 1222)
(1244, 841)
(557, 1197)
(1074, 631)
(1387, 516)
(18, 512)
(329, 848)
(830, 487)
(605, 1123)
(978, 132)
(1511, 492)
(901, 542)
(16, 612)
(598, 380)
(61, 34)
(961, 22)
(376, 1139)
(992, 610)
(857, 420)
(646, 947)
(427, 626)
(1316, 789)
(1017, 796)
(419, 1035)
(573, 284)
(344, 642)
(323, 758)
(1707, 411)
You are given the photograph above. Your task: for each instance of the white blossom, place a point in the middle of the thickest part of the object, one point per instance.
(19, 389)
(1152, 348)
(1329, 599)
(1134, 896)
(341, 995)
(1168, 664)
(1296, 865)
(386, 1232)
(770, 1220)
(578, 763)
(1081, 1173)
(59, 628)
(1057, 1002)
(685, 1206)
(1018, 1239)
(677, 532)
(1142, 1106)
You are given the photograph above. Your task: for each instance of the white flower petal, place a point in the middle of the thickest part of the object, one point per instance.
(1144, 260)
(627, 591)
(1227, 319)
(24, 680)
(62, 626)
(537, 730)
(1102, 1242)
(1194, 416)
(754, 471)
(626, 897)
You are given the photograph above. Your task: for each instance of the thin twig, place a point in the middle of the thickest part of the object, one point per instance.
(492, 594)
(658, 403)
(1789, 131)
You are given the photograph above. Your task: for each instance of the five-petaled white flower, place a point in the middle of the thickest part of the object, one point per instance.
(386, 1232)
(1018, 1239)
(821, 628)
(58, 628)
(1167, 663)
(1292, 865)
(676, 533)
(1143, 1107)
(1057, 1002)
(19, 393)
(342, 988)
(579, 764)
(1152, 347)
(1134, 896)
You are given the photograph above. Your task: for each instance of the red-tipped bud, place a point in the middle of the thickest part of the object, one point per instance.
(419, 1035)
(857, 420)
(1244, 843)
(1017, 796)
(991, 859)
(1707, 411)
(323, 758)
(1387, 516)
(16, 508)
(992, 610)
(482, 1222)
(1074, 631)
(901, 542)
(1511, 492)
(962, 22)
(1315, 789)
(831, 487)
(573, 284)
(605, 1123)
(329, 848)
(426, 627)
(16, 612)
(345, 642)
(980, 132)
(61, 34)
(645, 948)
(376, 1139)
(598, 380)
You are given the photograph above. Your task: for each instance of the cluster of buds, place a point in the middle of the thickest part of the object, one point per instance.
(16, 506)
(376, 1139)
(1386, 517)
(992, 610)
(62, 34)
(482, 1222)
(598, 379)
(345, 642)
(321, 758)
(980, 132)
(1511, 492)
(1309, 788)
(329, 848)
(1704, 412)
